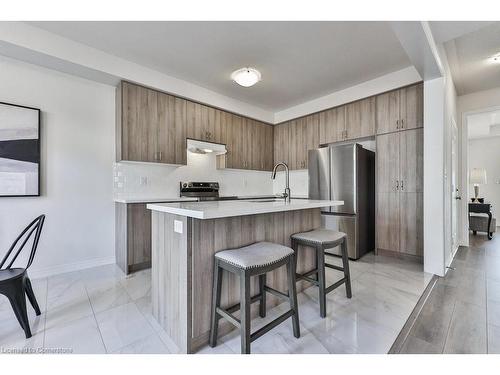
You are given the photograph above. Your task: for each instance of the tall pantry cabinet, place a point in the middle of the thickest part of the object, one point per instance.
(399, 197)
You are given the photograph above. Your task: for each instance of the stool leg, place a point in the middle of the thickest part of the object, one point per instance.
(345, 265)
(262, 303)
(320, 256)
(245, 312)
(295, 248)
(292, 295)
(216, 292)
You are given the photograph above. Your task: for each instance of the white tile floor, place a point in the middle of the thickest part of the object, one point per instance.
(99, 310)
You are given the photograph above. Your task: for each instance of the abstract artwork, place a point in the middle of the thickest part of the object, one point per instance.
(19, 151)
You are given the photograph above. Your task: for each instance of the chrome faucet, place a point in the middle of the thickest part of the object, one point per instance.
(286, 194)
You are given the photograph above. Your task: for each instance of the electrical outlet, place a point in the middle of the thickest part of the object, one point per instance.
(177, 226)
(143, 181)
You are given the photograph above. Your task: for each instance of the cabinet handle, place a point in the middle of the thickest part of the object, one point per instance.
(397, 124)
(402, 186)
(161, 155)
(402, 123)
(397, 184)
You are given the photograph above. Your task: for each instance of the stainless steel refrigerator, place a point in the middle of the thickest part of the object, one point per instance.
(346, 172)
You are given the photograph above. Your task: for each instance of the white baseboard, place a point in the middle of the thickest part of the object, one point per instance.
(36, 273)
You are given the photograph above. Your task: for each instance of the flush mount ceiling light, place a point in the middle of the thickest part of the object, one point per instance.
(246, 77)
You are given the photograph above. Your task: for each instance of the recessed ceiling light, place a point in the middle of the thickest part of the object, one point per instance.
(246, 77)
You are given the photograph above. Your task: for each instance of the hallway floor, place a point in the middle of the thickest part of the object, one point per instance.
(462, 313)
(99, 310)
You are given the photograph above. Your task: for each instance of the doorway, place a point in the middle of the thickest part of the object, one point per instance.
(480, 150)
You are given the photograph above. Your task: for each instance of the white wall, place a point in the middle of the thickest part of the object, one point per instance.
(76, 168)
(375, 86)
(148, 180)
(434, 176)
(485, 153)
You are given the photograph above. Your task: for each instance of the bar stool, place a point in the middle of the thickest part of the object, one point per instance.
(321, 240)
(253, 260)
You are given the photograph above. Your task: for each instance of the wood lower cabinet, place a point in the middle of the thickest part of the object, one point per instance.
(411, 226)
(133, 236)
(399, 218)
(387, 221)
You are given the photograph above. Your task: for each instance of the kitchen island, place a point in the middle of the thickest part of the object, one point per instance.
(185, 237)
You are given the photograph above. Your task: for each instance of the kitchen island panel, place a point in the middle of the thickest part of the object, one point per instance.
(211, 236)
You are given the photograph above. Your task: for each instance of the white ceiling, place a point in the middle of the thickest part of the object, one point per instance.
(299, 61)
(468, 57)
(484, 125)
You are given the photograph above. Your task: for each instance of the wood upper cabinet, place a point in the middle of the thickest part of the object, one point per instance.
(400, 109)
(332, 125)
(171, 129)
(412, 107)
(360, 119)
(138, 123)
(281, 143)
(249, 143)
(293, 140)
(262, 146)
(151, 126)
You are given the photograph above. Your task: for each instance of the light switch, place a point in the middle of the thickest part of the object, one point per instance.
(177, 226)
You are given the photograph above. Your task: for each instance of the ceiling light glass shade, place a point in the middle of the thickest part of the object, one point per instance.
(246, 77)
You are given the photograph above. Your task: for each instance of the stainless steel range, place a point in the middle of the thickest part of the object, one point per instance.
(204, 191)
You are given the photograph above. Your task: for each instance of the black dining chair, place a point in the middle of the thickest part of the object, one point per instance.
(14, 282)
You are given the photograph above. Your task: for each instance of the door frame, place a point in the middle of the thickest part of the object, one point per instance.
(464, 168)
(455, 221)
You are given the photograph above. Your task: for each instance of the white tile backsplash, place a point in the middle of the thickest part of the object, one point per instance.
(149, 180)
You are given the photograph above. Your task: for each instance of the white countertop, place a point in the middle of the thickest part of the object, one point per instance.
(218, 209)
(152, 200)
(132, 199)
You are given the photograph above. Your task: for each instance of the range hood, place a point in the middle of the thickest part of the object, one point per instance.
(201, 147)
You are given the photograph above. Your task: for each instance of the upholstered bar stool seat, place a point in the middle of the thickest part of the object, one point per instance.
(322, 240)
(324, 237)
(253, 260)
(256, 255)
